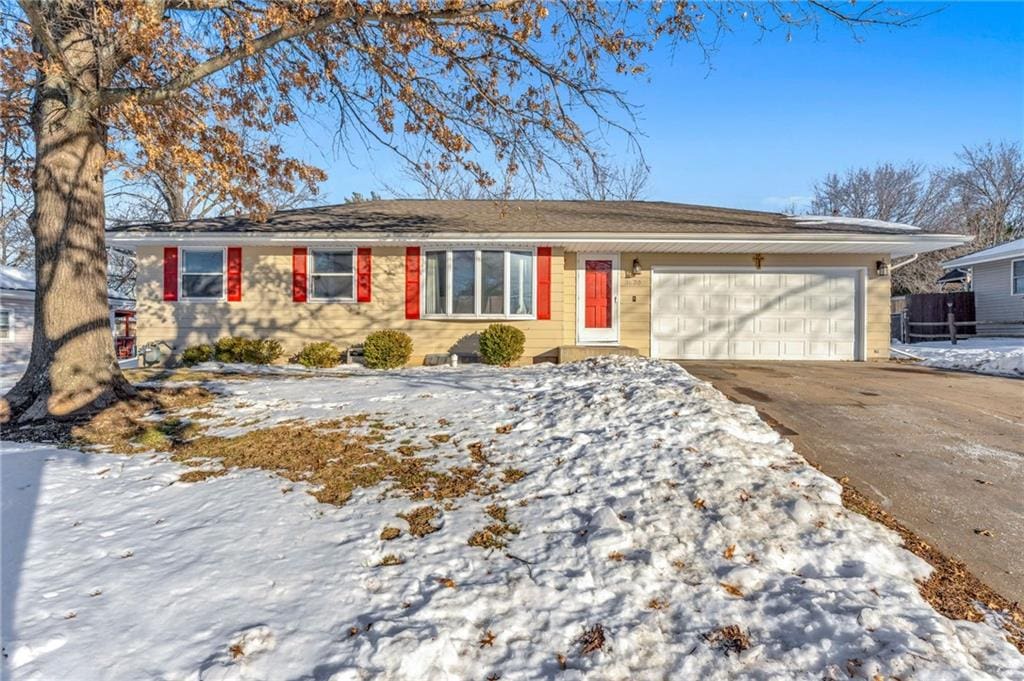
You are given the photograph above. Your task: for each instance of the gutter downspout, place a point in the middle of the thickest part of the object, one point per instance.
(894, 267)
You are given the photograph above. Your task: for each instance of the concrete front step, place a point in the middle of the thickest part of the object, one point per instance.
(574, 353)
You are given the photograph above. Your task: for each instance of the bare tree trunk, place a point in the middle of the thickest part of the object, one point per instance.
(72, 367)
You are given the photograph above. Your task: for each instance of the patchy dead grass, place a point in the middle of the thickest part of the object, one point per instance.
(419, 520)
(389, 533)
(133, 425)
(390, 560)
(730, 639)
(493, 536)
(512, 475)
(337, 458)
(200, 475)
(186, 374)
(951, 588)
(476, 454)
(497, 512)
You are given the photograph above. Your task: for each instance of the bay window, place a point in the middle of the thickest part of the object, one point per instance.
(202, 274)
(478, 283)
(1017, 277)
(332, 275)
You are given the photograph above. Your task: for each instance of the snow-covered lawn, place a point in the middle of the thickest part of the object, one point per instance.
(653, 513)
(997, 356)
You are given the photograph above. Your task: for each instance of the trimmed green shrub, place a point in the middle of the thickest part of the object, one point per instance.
(194, 354)
(261, 351)
(247, 350)
(388, 349)
(320, 355)
(229, 349)
(501, 344)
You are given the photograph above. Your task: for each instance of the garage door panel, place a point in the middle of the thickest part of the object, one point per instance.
(817, 327)
(760, 315)
(793, 304)
(843, 327)
(794, 327)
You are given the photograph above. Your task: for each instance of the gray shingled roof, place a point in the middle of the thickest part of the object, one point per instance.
(421, 216)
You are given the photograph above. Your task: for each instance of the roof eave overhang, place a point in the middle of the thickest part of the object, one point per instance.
(968, 261)
(895, 245)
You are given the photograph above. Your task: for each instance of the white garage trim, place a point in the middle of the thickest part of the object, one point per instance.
(859, 274)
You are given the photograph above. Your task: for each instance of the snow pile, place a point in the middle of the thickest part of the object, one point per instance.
(840, 221)
(997, 356)
(672, 525)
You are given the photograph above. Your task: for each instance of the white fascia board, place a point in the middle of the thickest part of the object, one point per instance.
(895, 244)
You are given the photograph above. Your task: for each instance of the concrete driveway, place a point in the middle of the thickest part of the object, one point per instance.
(943, 452)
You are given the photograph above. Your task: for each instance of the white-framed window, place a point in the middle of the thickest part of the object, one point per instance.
(484, 283)
(332, 275)
(6, 325)
(1017, 277)
(202, 273)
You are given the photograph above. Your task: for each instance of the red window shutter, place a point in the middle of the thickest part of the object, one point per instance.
(170, 273)
(364, 273)
(234, 274)
(412, 282)
(544, 282)
(299, 275)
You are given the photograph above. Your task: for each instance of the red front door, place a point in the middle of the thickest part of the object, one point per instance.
(598, 301)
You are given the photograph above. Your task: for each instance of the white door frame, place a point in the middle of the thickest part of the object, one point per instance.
(585, 336)
(860, 275)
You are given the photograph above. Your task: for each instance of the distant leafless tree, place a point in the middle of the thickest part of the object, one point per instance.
(989, 188)
(600, 180)
(907, 193)
(16, 246)
(434, 179)
(982, 195)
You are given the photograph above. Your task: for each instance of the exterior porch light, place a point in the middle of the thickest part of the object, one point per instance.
(882, 268)
(636, 267)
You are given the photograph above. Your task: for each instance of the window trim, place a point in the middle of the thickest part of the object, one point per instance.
(182, 297)
(9, 336)
(478, 283)
(1013, 279)
(310, 273)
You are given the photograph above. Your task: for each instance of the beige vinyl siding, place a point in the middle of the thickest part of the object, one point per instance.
(569, 300)
(994, 300)
(635, 292)
(267, 310)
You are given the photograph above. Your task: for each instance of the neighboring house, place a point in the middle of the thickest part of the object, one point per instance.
(997, 279)
(956, 279)
(17, 311)
(670, 280)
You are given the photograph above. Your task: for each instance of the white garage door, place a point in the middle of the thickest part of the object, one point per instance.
(754, 315)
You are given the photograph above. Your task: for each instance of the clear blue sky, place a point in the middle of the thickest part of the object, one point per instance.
(772, 116)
